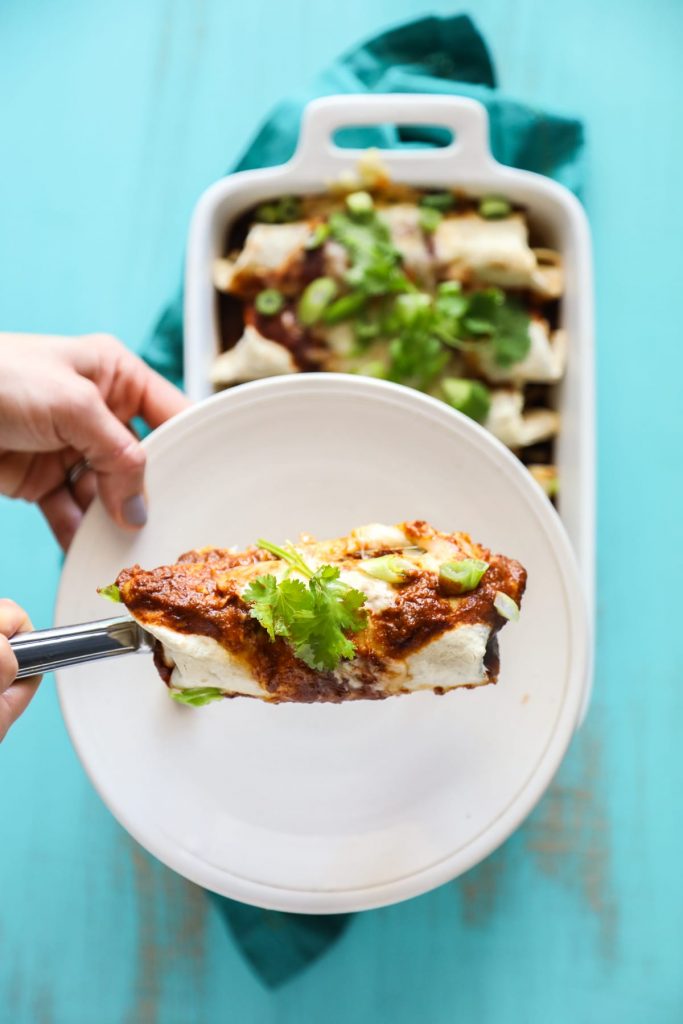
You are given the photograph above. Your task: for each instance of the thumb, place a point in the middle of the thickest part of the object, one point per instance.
(116, 456)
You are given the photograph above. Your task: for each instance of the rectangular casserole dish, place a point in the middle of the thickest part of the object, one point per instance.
(555, 215)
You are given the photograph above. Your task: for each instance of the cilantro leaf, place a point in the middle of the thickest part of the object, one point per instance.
(490, 312)
(511, 341)
(375, 262)
(314, 617)
(283, 609)
(417, 329)
(417, 354)
(337, 609)
(262, 595)
(112, 592)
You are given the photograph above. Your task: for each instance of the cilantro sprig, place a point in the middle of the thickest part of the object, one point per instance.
(375, 262)
(420, 328)
(503, 323)
(313, 616)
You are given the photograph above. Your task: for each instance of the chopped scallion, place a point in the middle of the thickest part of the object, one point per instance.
(430, 219)
(269, 302)
(360, 204)
(344, 308)
(470, 397)
(319, 235)
(461, 577)
(376, 369)
(314, 300)
(440, 201)
(449, 288)
(366, 330)
(389, 568)
(494, 207)
(505, 606)
(412, 307)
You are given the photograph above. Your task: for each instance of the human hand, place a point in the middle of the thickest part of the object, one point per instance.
(14, 699)
(63, 400)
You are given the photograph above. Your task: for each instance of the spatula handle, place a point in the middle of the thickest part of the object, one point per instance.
(48, 649)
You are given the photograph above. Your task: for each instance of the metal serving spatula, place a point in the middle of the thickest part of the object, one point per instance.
(47, 649)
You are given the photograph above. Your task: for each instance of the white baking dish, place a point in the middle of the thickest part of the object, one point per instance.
(556, 216)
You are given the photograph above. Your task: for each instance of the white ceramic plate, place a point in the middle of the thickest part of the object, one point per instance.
(328, 808)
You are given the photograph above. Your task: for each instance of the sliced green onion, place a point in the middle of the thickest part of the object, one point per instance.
(319, 235)
(440, 201)
(430, 219)
(473, 325)
(461, 577)
(470, 397)
(197, 696)
(344, 308)
(449, 288)
(390, 568)
(314, 300)
(411, 307)
(279, 211)
(112, 592)
(494, 207)
(366, 330)
(376, 368)
(269, 302)
(505, 606)
(360, 204)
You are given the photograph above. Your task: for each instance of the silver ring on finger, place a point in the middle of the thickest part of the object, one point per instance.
(78, 470)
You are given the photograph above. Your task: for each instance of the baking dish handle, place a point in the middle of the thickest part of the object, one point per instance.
(468, 152)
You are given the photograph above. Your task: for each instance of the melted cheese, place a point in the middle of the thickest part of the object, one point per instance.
(378, 594)
(377, 535)
(455, 658)
(271, 246)
(516, 428)
(548, 278)
(495, 250)
(201, 661)
(252, 358)
(403, 221)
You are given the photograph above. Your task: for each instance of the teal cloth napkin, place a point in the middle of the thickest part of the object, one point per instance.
(432, 55)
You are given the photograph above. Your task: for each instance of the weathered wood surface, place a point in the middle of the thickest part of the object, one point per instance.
(114, 117)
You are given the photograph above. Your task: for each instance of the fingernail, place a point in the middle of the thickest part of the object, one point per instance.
(135, 510)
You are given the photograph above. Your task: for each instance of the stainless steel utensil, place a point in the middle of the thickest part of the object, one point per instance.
(48, 649)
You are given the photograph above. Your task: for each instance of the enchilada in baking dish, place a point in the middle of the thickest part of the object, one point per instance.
(440, 291)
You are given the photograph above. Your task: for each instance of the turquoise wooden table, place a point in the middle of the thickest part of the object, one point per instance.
(115, 117)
